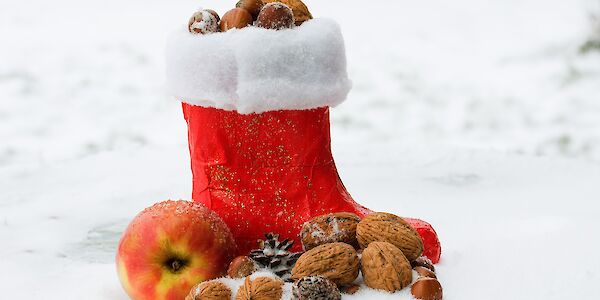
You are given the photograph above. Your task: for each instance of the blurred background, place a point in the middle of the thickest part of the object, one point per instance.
(486, 107)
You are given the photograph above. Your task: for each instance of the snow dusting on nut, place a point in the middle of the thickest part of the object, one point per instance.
(330, 228)
(203, 22)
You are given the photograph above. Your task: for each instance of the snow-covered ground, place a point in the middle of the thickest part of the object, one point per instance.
(481, 117)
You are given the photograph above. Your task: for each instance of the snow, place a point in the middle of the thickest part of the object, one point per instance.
(254, 70)
(480, 117)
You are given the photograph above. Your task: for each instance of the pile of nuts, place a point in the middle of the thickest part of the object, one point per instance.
(389, 249)
(269, 14)
(339, 246)
(262, 287)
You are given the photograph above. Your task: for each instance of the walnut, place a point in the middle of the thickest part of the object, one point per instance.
(209, 290)
(385, 227)
(330, 228)
(385, 267)
(337, 262)
(261, 288)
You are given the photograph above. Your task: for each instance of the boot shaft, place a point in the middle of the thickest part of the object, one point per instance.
(256, 152)
(267, 172)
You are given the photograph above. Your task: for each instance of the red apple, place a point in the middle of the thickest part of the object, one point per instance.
(170, 247)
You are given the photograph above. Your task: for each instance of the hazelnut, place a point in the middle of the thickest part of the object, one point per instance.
(252, 6)
(427, 289)
(203, 22)
(214, 13)
(241, 267)
(423, 261)
(337, 262)
(301, 13)
(424, 272)
(276, 16)
(235, 18)
(350, 289)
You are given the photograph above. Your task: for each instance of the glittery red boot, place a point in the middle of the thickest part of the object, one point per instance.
(270, 172)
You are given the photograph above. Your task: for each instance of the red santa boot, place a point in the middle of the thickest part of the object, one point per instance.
(260, 147)
(267, 172)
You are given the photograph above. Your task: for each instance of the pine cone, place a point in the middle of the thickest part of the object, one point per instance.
(274, 256)
(315, 288)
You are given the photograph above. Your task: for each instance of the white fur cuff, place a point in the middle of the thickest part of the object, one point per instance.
(253, 70)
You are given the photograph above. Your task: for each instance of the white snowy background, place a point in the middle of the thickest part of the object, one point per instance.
(482, 117)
